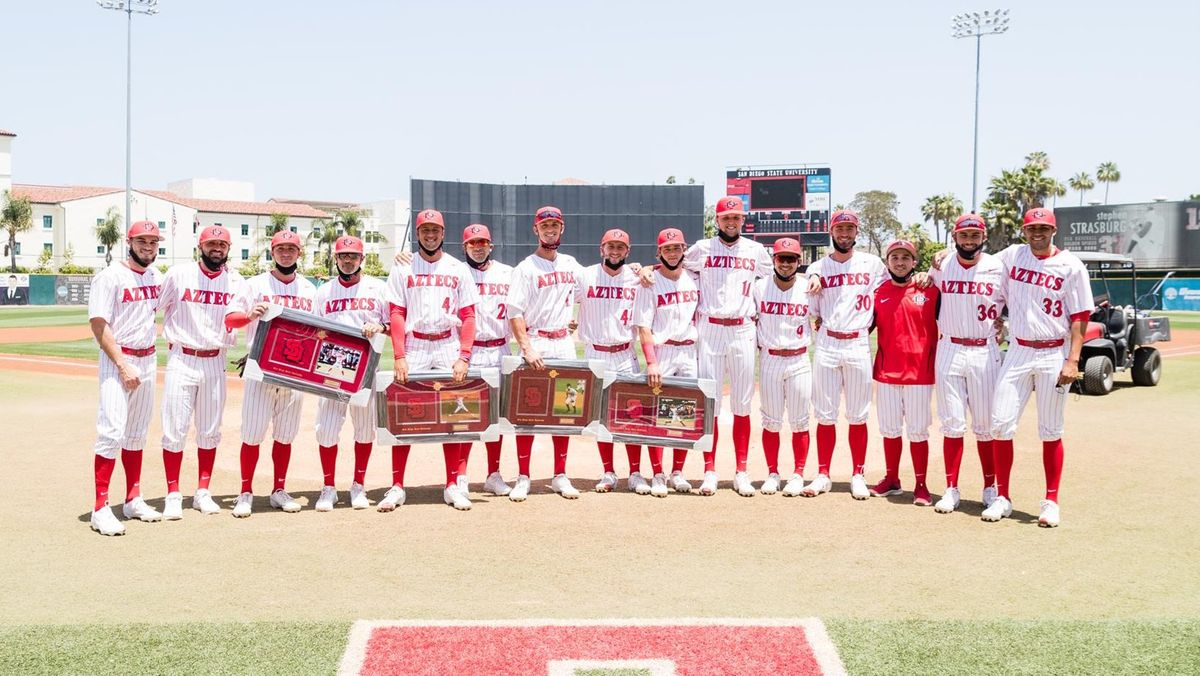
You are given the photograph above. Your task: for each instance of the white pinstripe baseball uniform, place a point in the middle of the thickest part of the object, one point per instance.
(542, 292)
(785, 378)
(432, 293)
(668, 309)
(352, 306)
(606, 316)
(264, 404)
(492, 330)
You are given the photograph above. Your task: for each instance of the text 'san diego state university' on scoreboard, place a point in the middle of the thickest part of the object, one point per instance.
(784, 202)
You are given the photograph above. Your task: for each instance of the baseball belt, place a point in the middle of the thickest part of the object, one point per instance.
(135, 352)
(841, 335)
(679, 343)
(498, 342)
(793, 352)
(970, 342)
(193, 352)
(726, 321)
(1041, 344)
(558, 333)
(431, 336)
(611, 348)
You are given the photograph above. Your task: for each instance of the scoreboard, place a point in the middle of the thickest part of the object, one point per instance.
(784, 202)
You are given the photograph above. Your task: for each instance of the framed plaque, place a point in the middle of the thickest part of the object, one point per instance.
(563, 398)
(677, 414)
(313, 354)
(430, 407)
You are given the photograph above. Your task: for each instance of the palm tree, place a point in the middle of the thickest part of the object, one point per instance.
(1107, 173)
(108, 232)
(1083, 183)
(345, 221)
(1038, 159)
(17, 217)
(942, 210)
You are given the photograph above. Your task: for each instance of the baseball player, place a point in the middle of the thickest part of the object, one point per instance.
(665, 316)
(264, 404)
(492, 334)
(727, 265)
(433, 328)
(843, 283)
(540, 299)
(1049, 301)
(196, 300)
(121, 310)
(968, 354)
(786, 376)
(906, 321)
(361, 303)
(606, 293)
(569, 398)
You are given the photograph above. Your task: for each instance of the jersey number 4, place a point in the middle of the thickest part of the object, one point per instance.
(1052, 308)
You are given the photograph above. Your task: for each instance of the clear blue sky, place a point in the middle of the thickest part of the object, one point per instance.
(347, 100)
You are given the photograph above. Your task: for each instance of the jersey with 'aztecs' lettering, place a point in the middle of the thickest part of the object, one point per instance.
(194, 305)
(1043, 293)
(606, 305)
(126, 300)
(491, 313)
(296, 295)
(432, 293)
(543, 291)
(782, 315)
(354, 305)
(727, 274)
(972, 297)
(847, 291)
(668, 307)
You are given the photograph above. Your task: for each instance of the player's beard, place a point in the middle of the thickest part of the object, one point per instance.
(904, 279)
(614, 266)
(480, 265)
(430, 252)
(728, 239)
(349, 277)
(212, 265)
(668, 266)
(968, 254)
(142, 263)
(286, 270)
(839, 248)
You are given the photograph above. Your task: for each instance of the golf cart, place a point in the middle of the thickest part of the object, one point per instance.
(1119, 338)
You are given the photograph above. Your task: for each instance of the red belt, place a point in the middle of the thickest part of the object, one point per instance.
(971, 342)
(191, 352)
(732, 321)
(499, 342)
(560, 333)
(794, 352)
(132, 352)
(679, 343)
(611, 348)
(432, 336)
(1041, 344)
(841, 336)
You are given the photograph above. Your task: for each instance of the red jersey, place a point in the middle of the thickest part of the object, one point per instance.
(907, 332)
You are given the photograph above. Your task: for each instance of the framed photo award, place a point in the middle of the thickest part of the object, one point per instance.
(430, 407)
(562, 398)
(677, 414)
(313, 354)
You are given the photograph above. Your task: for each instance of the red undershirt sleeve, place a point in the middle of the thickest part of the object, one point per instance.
(466, 332)
(236, 320)
(398, 315)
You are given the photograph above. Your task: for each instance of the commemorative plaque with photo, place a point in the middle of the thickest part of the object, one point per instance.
(562, 398)
(678, 413)
(312, 354)
(430, 407)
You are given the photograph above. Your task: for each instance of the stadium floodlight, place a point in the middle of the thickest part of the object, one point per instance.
(130, 7)
(976, 25)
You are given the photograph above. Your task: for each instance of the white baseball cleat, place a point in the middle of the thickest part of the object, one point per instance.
(454, 497)
(495, 485)
(658, 485)
(794, 486)
(520, 489)
(562, 485)
(327, 499)
(770, 485)
(203, 502)
(608, 481)
(741, 484)
(392, 499)
(1049, 516)
(709, 485)
(173, 506)
(858, 487)
(358, 496)
(138, 509)
(464, 484)
(105, 522)
(281, 500)
(999, 509)
(989, 496)
(679, 484)
(638, 484)
(949, 501)
(817, 486)
(241, 508)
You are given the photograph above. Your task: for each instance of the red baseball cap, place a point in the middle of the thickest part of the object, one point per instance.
(843, 216)
(787, 245)
(730, 204)
(1040, 216)
(901, 244)
(671, 236)
(476, 231)
(348, 244)
(430, 216)
(143, 229)
(285, 237)
(615, 235)
(970, 222)
(547, 214)
(219, 233)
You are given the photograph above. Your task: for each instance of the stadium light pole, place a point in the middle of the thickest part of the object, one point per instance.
(130, 7)
(976, 25)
